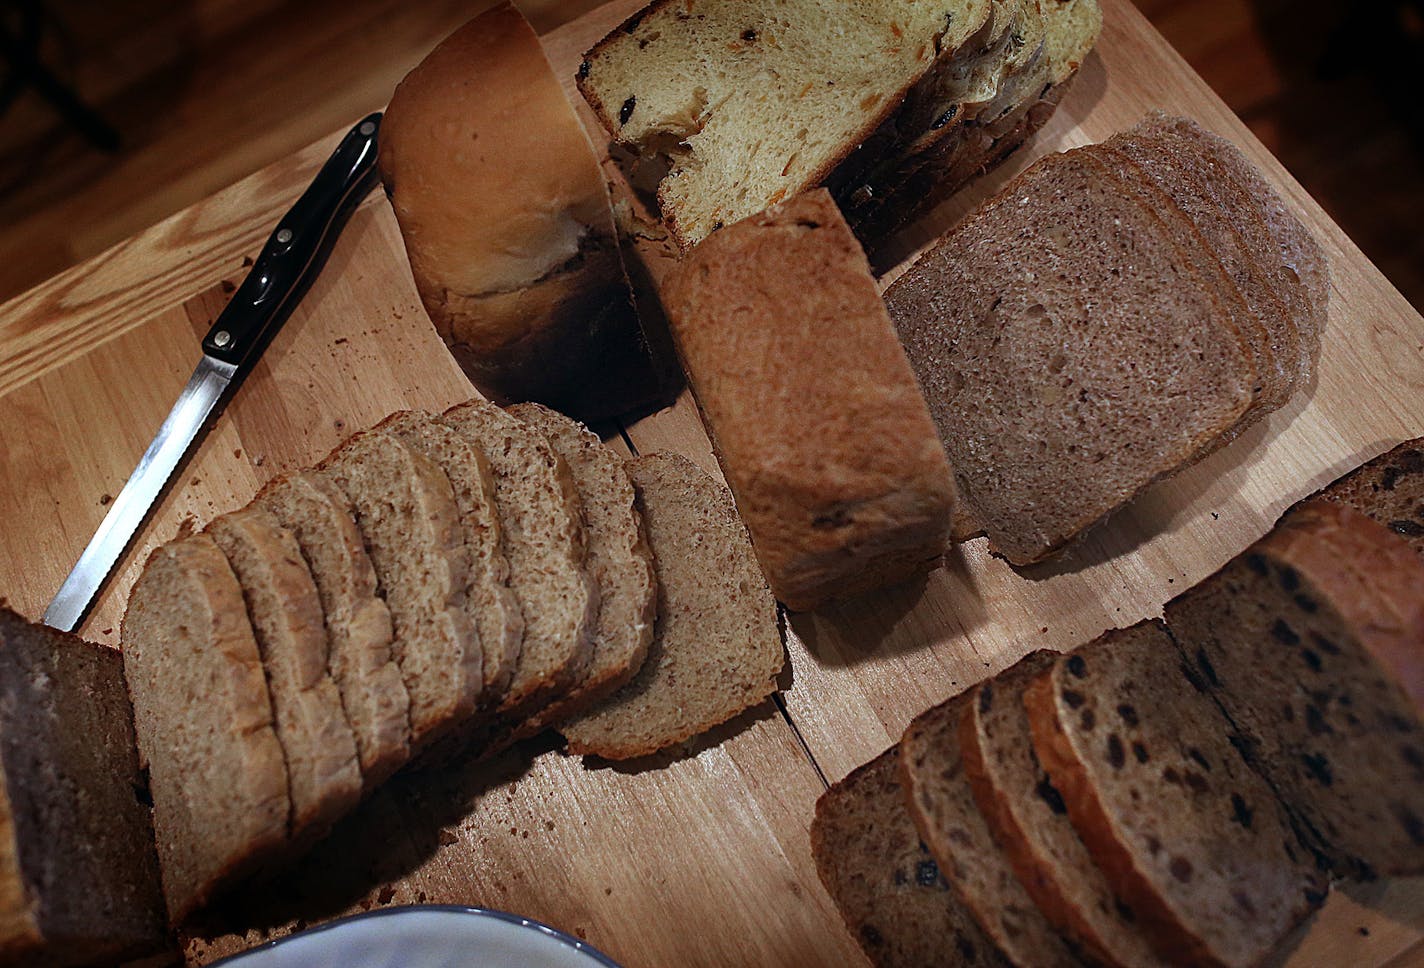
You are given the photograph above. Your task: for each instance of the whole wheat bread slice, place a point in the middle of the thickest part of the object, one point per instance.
(716, 648)
(885, 882)
(203, 721)
(1389, 489)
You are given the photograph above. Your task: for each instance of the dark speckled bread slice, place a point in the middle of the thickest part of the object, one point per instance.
(942, 807)
(1312, 640)
(1389, 489)
(1029, 821)
(885, 882)
(1186, 834)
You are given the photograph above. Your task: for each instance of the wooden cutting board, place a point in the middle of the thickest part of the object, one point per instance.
(698, 857)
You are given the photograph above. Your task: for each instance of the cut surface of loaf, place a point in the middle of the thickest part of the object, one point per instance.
(1389, 489)
(888, 888)
(358, 623)
(618, 560)
(203, 722)
(1312, 640)
(716, 648)
(489, 601)
(942, 807)
(820, 427)
(78, 872)
(1187, 835)
(410, 524)
(747, 105)
(542, 527)
(323, 773)
(1029, 821)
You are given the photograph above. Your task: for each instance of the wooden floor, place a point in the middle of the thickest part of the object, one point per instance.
(206, 91)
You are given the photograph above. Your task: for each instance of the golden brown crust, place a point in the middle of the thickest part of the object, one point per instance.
(19, 929)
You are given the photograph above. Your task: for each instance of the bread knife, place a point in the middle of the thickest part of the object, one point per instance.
(291, 258)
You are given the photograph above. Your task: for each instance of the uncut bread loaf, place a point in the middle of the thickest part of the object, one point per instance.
(716, 648)
(819, 425)
(746, 105)
(203, 722)
(1312, 641)
(358, 623)
(618, 560)
(1186, 834)
(943, 810)
(410, 525)
(1029, 821)
(888, 888)
(524, 282)
(323, 774)
(78, 872)
(1389, 489)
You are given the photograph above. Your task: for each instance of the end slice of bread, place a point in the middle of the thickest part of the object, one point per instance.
(1389, 489)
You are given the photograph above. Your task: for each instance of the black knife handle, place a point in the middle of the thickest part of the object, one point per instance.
(292, 251)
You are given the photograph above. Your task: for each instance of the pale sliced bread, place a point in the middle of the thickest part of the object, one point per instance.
(204, 724)
(716, 648)
(1389, 489)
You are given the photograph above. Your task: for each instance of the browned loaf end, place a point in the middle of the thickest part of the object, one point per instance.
(1389, 489)
(819, 425)
(1312, 641)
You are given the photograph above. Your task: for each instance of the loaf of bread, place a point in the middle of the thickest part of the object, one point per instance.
(78, 873)
(819, 425)
(507, 222)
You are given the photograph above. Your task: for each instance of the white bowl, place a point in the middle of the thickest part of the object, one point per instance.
(425, 936)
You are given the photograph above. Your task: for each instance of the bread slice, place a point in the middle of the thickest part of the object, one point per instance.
(820, 427)
(1389, 489)
(889, 890)
(745, 106)
(203, 721)
(1029, 821)
(1069, 361)
(358, 623)
(492, 607)
(1312, 641)
(716, 648)
(323, 774)
(78, 871)
(410, 524)
(619, 560)
(1187, 835)
(943, 810)
(542, 532)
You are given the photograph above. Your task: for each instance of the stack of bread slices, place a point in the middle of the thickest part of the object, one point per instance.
(737, 106)
(1180, 792)
(1116, 313)
(438, 584)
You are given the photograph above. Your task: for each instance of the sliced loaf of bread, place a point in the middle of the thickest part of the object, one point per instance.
(716, 648)
(1186, 834)
(885, 882)
(203, 721)
(1389, 489)
(323, 773)
(1312, 640)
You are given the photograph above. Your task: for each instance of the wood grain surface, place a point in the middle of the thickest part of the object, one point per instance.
(699, 857)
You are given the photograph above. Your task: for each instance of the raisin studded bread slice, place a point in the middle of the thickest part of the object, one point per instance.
(942, 807)
(745, 105)
(490, 602)
(619, 560)
(1187, 835)
(541, 526)
(1312, 640)
(716, 647)
(358, 623)
(1029, 821)
(203, 721)
(820, 427)
(1068, 359)
(1389, 489)
(886, 884)
(78, 872)
(323, 774)
(410, 524)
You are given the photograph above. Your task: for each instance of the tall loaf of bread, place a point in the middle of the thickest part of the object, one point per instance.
(506, 220)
